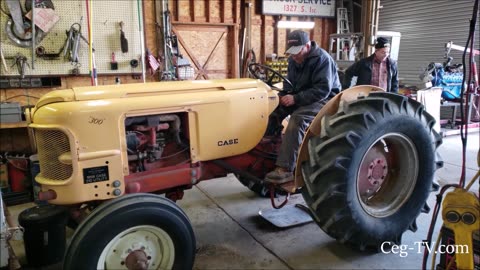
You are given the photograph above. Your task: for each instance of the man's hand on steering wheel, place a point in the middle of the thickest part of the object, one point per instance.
(267, 75)
(287, 100)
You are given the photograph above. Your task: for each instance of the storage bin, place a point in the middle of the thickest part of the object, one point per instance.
(44, 236)
(10, 112)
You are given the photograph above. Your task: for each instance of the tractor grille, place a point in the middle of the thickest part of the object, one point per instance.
(51, 144)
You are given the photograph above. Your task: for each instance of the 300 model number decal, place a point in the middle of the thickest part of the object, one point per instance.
(96, 121)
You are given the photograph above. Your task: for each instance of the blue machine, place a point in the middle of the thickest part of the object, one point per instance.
(448, 77)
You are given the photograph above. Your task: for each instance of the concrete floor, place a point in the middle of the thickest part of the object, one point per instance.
(231, 235)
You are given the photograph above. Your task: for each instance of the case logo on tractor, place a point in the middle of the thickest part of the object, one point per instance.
(227, 142)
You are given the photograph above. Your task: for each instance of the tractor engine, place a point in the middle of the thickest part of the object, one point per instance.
(153, 141)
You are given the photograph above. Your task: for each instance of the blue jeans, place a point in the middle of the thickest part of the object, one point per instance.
(300, 119)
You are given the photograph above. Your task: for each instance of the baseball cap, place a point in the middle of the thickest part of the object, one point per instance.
(382, 43)
(295, 41)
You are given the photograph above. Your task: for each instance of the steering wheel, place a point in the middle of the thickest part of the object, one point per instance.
(267, 75)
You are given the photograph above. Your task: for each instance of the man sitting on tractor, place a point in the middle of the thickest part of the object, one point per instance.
(313, 74)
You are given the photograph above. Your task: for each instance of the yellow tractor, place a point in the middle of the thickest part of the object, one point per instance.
(365, 167)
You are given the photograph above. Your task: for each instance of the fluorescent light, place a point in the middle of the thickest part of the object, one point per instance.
(295, 24)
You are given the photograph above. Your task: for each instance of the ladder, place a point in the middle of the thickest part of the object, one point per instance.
(348, 5)
(342, 28)
(343, 25)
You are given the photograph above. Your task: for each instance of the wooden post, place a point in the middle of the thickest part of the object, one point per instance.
(263, 32)
(235, 58)
(207, 10)
(192, 10)
(222, 11)
(177, 10)
(370, 10)
(248, 25)
(275, 34)
(235, 11)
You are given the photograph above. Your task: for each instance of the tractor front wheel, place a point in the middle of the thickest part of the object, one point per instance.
(137, 231)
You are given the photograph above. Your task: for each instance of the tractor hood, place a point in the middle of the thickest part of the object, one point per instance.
(147, 89)
(159, 88)
(87, 93)
(56, 96)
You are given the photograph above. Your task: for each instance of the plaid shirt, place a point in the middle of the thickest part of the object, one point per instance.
(380, 73)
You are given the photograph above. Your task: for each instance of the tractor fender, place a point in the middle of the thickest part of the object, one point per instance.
(315, 127)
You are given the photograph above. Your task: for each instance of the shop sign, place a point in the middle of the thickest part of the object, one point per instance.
(315, 8)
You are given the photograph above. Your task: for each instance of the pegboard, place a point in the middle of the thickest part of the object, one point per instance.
(106, 18)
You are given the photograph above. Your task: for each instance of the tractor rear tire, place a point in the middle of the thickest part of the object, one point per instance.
(133, 227)
(370, 170)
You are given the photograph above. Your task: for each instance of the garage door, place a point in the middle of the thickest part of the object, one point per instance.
(425, 27)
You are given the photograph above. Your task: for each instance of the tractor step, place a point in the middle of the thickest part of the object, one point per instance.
(287, 216)
(288, 187)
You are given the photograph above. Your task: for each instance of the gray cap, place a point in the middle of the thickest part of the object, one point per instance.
(296, 40)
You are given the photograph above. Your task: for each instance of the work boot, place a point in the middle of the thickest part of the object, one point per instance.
(279, 176)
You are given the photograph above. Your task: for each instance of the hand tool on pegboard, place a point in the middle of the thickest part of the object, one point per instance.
(72, 43)
(20, 61)
(113, 63)
(123, 39)
(16, 16)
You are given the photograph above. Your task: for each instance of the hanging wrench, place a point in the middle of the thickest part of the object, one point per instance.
(21, 63)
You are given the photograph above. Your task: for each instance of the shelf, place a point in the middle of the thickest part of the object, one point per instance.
(23, 124)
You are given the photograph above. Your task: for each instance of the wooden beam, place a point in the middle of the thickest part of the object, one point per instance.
(325, 33)
(177, 10)
(207, 10)
(158, 27)
(287, 32)
(275, 34)
(192, 10)
(218, 71)
(222, 11)
(263, 31)
(178, 23)
(235, 11)
(213, 50)
(235, 54)
(248, 24)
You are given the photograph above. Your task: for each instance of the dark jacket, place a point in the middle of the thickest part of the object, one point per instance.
(315, 79)
(363, 70)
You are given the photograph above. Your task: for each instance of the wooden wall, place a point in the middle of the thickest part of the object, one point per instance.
(265, 37)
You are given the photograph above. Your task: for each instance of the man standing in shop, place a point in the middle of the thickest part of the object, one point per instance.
(378, 69)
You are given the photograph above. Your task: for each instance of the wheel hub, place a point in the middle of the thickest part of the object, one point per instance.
(137, 260)
(134, 252)
(377, 171)
(387, 174)
(140, 247)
